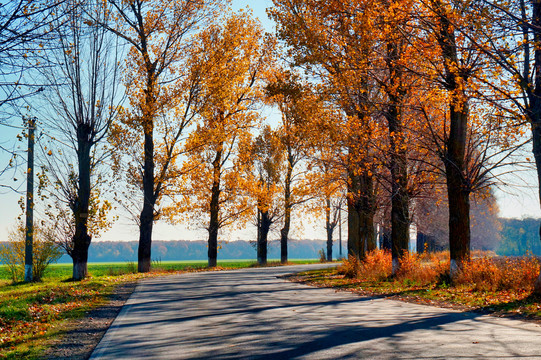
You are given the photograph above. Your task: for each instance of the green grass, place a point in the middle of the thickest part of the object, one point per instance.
(64, 271)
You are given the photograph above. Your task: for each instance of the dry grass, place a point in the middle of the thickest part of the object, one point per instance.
(487, 283)
(484, 272)
(496, 274)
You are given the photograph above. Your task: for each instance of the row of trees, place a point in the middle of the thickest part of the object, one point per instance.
(440, 85)
(386, 104)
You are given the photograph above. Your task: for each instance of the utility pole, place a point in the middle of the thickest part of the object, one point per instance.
(28, 248)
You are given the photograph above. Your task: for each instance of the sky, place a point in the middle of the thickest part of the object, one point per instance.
(515, 202)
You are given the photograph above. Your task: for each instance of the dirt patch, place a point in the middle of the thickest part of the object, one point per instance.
(83, 335)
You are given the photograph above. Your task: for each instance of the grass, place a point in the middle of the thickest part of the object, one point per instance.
(32, 315)
(503, 286)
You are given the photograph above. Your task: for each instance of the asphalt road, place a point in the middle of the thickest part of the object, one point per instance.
(253, 314)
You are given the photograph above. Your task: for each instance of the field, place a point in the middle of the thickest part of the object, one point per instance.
(32, 315)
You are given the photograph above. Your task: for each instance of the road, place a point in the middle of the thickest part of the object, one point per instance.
(254, 314)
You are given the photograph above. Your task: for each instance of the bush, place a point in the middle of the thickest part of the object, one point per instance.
(350, 268)
(322, 256)
(45, 252)
(422, 269)
(377, 265)
(493, 274)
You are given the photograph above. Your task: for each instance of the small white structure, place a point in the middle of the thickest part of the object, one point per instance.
(413, 239)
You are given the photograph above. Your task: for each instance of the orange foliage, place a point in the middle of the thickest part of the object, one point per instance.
(493, 274)
(422, 269)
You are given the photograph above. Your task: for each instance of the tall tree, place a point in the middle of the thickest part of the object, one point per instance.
(26, 28)
(83, 99)
(514, 48)
(295, 99)
(235, 56)
(322, 40)
(473, 138)
(161, 92)
(264, 185)
(26, 31)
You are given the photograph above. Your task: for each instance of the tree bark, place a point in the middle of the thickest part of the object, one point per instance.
(214, 224)
(262, 239)
(146, 219)
(329, 226)
(458, 189)
(361, 211)
(81, 205)
(399, 192)
(284, 232)
(400, 220)
(534, 110)
(367, 212)
(355, 249)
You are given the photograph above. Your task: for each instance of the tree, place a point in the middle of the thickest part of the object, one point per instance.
(26, 28)
(234, 57)
(295, 99)
(264, 185)
(516, 54)
(326, 178)
(471, 137)
(82, 99)
(322, 40)
(162, 95)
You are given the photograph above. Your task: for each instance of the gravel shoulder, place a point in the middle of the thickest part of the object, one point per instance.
(84, 334)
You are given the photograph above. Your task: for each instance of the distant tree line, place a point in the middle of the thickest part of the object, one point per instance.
(120, 251)
(519, 237)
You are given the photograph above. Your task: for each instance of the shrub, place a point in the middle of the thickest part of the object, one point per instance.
(422, 269)
(350, 268)
(322, 256)
(45, 251)
(377, 265)
(493, 274)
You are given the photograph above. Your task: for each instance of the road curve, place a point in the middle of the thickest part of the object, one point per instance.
(254, 314)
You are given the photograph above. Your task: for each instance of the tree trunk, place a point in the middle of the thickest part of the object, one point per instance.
(214, 224)
(329, 227)
(398, 160)
(81, 205)
(263, 236)
(536, 132)
(367, 212)
(354, 241)
(361, 211)
(458, 189)
(534, 111)
(146, 219)
(399, 197)
(79, 256)
(284, 232)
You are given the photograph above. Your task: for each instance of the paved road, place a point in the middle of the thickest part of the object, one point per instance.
(253, 314)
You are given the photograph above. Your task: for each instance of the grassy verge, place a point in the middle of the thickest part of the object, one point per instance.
(500, 286)
(31, 315)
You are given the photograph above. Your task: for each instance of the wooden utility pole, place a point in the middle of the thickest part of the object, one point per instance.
(28, 249)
